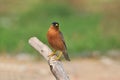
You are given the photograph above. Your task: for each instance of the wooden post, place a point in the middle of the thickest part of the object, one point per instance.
(56, 66)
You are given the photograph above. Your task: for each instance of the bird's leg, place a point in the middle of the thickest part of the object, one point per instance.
(60, 54)
(53, 53)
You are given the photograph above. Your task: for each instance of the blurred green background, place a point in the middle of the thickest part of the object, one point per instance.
(87, 25)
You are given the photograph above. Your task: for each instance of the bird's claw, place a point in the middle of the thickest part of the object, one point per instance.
(52, 54)
(57, 58)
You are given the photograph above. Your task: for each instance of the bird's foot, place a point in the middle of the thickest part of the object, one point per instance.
(57, 59)
(52, 54)
(59, 56)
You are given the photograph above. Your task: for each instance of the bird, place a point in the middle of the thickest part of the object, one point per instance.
(56, 41)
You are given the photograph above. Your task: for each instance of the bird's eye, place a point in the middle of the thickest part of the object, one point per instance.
(56, 25)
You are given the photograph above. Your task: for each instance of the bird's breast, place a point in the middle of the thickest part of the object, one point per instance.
(55, 40)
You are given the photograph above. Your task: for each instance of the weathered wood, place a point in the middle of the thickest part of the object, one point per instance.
(56, 66)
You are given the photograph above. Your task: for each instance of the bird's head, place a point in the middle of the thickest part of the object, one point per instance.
(55, 24)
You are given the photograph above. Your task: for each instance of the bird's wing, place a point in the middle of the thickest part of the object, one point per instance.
(61, 35)
(64, 52)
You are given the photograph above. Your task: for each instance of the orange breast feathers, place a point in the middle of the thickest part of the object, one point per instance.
(54, 39)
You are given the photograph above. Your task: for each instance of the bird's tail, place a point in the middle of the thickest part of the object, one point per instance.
(66, 56)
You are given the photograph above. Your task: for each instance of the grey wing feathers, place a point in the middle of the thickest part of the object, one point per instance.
(63, 40)
(65, 52)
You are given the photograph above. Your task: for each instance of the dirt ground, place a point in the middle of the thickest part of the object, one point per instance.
(77, 69)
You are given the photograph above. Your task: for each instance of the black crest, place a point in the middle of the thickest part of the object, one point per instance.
(55, 24)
